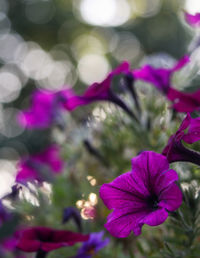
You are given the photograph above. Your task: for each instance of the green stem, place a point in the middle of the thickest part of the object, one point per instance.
(131, 254)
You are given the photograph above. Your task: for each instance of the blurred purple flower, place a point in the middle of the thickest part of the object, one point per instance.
(93, 245)
(183, 101)
(45, 109)
(43, 239)
(175, 150)
(98, 90)
(192, 20)
(160, 77)
(41, 166)
(9, 244)
(142, 196)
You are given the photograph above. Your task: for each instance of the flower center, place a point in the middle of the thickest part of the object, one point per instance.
(91, 250)
(152, 202)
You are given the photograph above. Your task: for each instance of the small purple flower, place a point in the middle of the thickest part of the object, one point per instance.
(98, 90)
(184, 101)
(142, 196)
(93, 245)
(72, 213)
(189, 132)
(45, 109)
(193, 20)
(41, 166)
(159, 77)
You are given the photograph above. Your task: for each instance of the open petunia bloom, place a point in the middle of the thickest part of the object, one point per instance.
(44, 109)
(93, 245)
(41, 166)
(159, 77)
(193, 20)
(189, 132)
(142, 196)
(43, 240)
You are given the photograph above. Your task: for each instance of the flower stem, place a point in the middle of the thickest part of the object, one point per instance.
(41, 254)
(131, 253)
(116, 100)
(129, 83)
(94, 152)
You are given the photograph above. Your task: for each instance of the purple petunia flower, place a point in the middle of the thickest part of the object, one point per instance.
(93, 245)
(142, 196)
(45, 108)
(43, 239)
(40, 167)
(193, 20)
(98, 90)
(189, 132)
(159, 77)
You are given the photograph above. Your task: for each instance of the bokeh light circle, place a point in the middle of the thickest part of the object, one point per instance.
(92, 68)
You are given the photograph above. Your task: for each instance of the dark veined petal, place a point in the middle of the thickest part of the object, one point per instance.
(155, 218)
(123, 192)
(164, 180)
(147, 166)
(122, 221)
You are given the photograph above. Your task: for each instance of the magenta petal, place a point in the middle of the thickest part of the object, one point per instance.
(193, 134)
(51, 156)
(75, 102)
(40, 113)
(186, 122)
(193, 20)
(158, 76)
(100, 90)
(171, 198)
(27, 245)
(121, 222)
(47, 239)
(124, 191)
(36, 166)
(184, 102)
(164, 180)
(147, 166)
(155, 218)
(47, 247)
(97, 90)
(181, 63)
